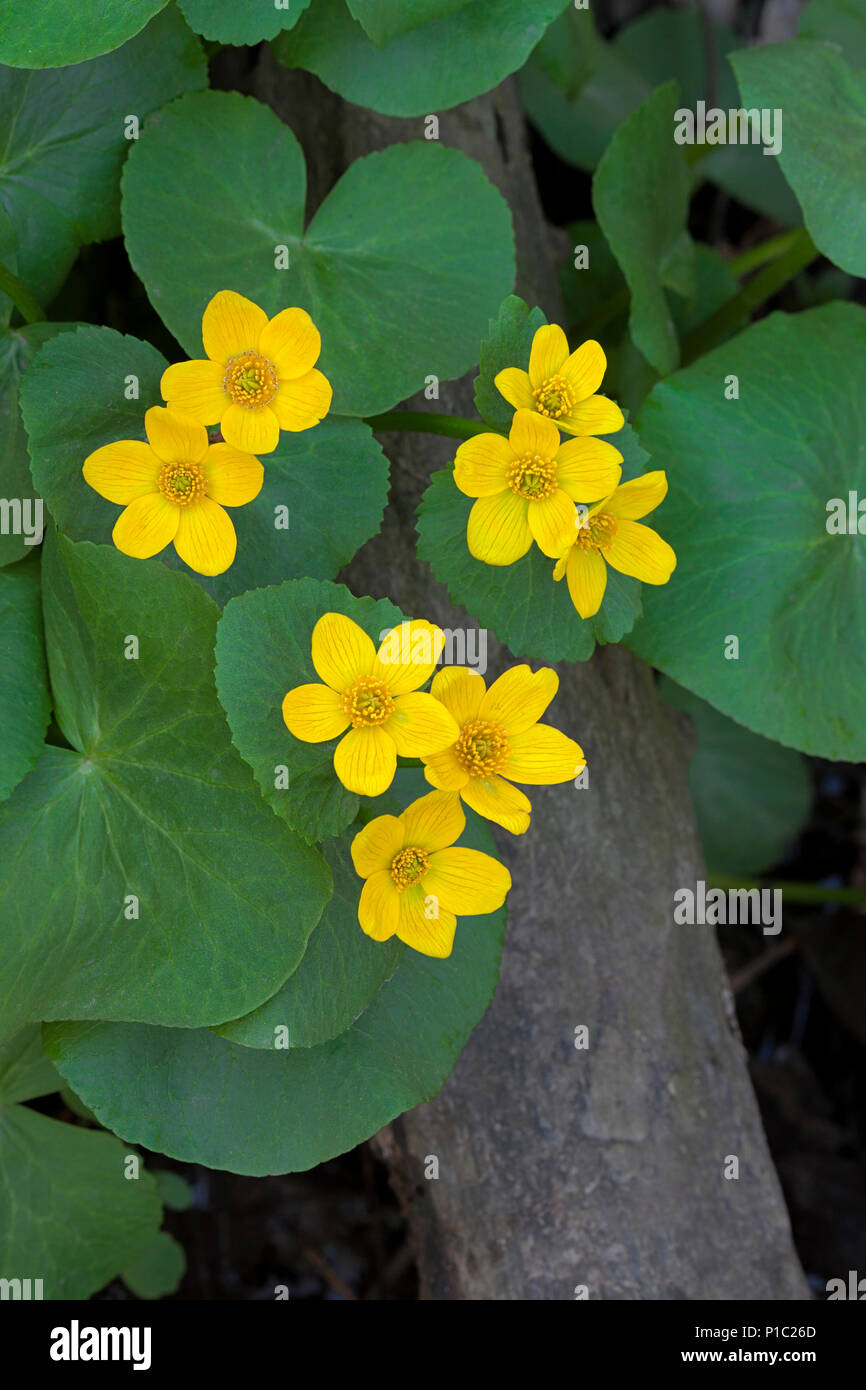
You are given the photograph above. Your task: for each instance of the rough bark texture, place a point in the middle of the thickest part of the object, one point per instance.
(561, 1167)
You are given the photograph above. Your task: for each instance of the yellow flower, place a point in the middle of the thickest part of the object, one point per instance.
(610, 531)
(527, 484)
(260, 376)
(175, 488)
(501, 742)
(416, 879)
(562, 386)
(377, 694)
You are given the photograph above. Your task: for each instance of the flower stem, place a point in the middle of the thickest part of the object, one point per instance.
(765, 251)
(796, 892)
(427, 422)
(17, 291)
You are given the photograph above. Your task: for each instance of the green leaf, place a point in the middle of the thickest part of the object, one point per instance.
(384, 266)
(842, 22)
(68, 1215)
(823, 151)
(53, 34)
(195, 1096)
(159, 1270)
(66, 140)
(521, 603)
(385, 20)
(640, 159)
(263, 651)
(747, 513)
(150, 812)
(508, 344)
(340, 973)
(24, 696)
(175, 1192)
(324, 492)
(226, 21)
(434, 67)
(751, 796)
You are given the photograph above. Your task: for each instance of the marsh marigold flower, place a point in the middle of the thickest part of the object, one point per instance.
(527, 485)
(416, 879)
(501, 742)
(375, 696)
(611, 532)
(260, 376)
(562, 386)
(174, 488)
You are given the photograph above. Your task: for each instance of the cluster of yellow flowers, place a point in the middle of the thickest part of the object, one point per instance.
(259, 377)
(533, 487)
(474, 743)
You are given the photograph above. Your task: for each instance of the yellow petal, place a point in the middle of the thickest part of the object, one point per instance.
(423, 924)
(122, 471)
(481, 465)
(146, 526)
(549, 352)
(206, 539)
(542, 756)
(420, 725)
(312, 713)
(175, 438)
(433, 821)
(292, 342)
(588, 469)
(374, 847)
(443, 771)
(551, 520)
(519, 698)
(532, 433)
(302, 403)
(586, 573)
(230, 325)
(639, 551)
(341, 651)
(250, 431)
(595, 415)
(584, 370)
(365, 761)
(195, 389)
(460, 690)
(498, 532)
(515, 386)
(467, 881)
(379, 906)
(642, 495)
(497, 800)
(407, 657)
(233, 478)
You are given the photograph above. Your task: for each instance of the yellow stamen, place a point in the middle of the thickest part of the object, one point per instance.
(409, 866)
(554, 397)
(482, 748)
(532, 477)
(182, 483)
(597, 533)
(250, 380)
(367, 701)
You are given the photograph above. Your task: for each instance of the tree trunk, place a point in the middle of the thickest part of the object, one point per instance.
(562, 1167)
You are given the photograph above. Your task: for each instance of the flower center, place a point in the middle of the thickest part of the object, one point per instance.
(182, 483)
(250, 380)
(597, 533)
(482, 748)
(554, 397)
(367, 701)
(532, 477)
(409, 866)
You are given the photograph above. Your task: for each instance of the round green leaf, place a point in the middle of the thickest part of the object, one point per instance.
(159, 1270)
(508, 344)
(384, 266)
(53, 34)
(431, 68)
(226, 21)
(23, 678)
(174, 895)
(263, 651)
(384, 20)
(747, 514)
(25, 1071)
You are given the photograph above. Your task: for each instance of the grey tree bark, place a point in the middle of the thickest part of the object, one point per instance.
(561, 1167)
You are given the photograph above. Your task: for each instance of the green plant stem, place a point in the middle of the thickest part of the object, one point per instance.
(765, 251)
(795, 892)
(29, 309)
(422, 422)
(763, 286)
